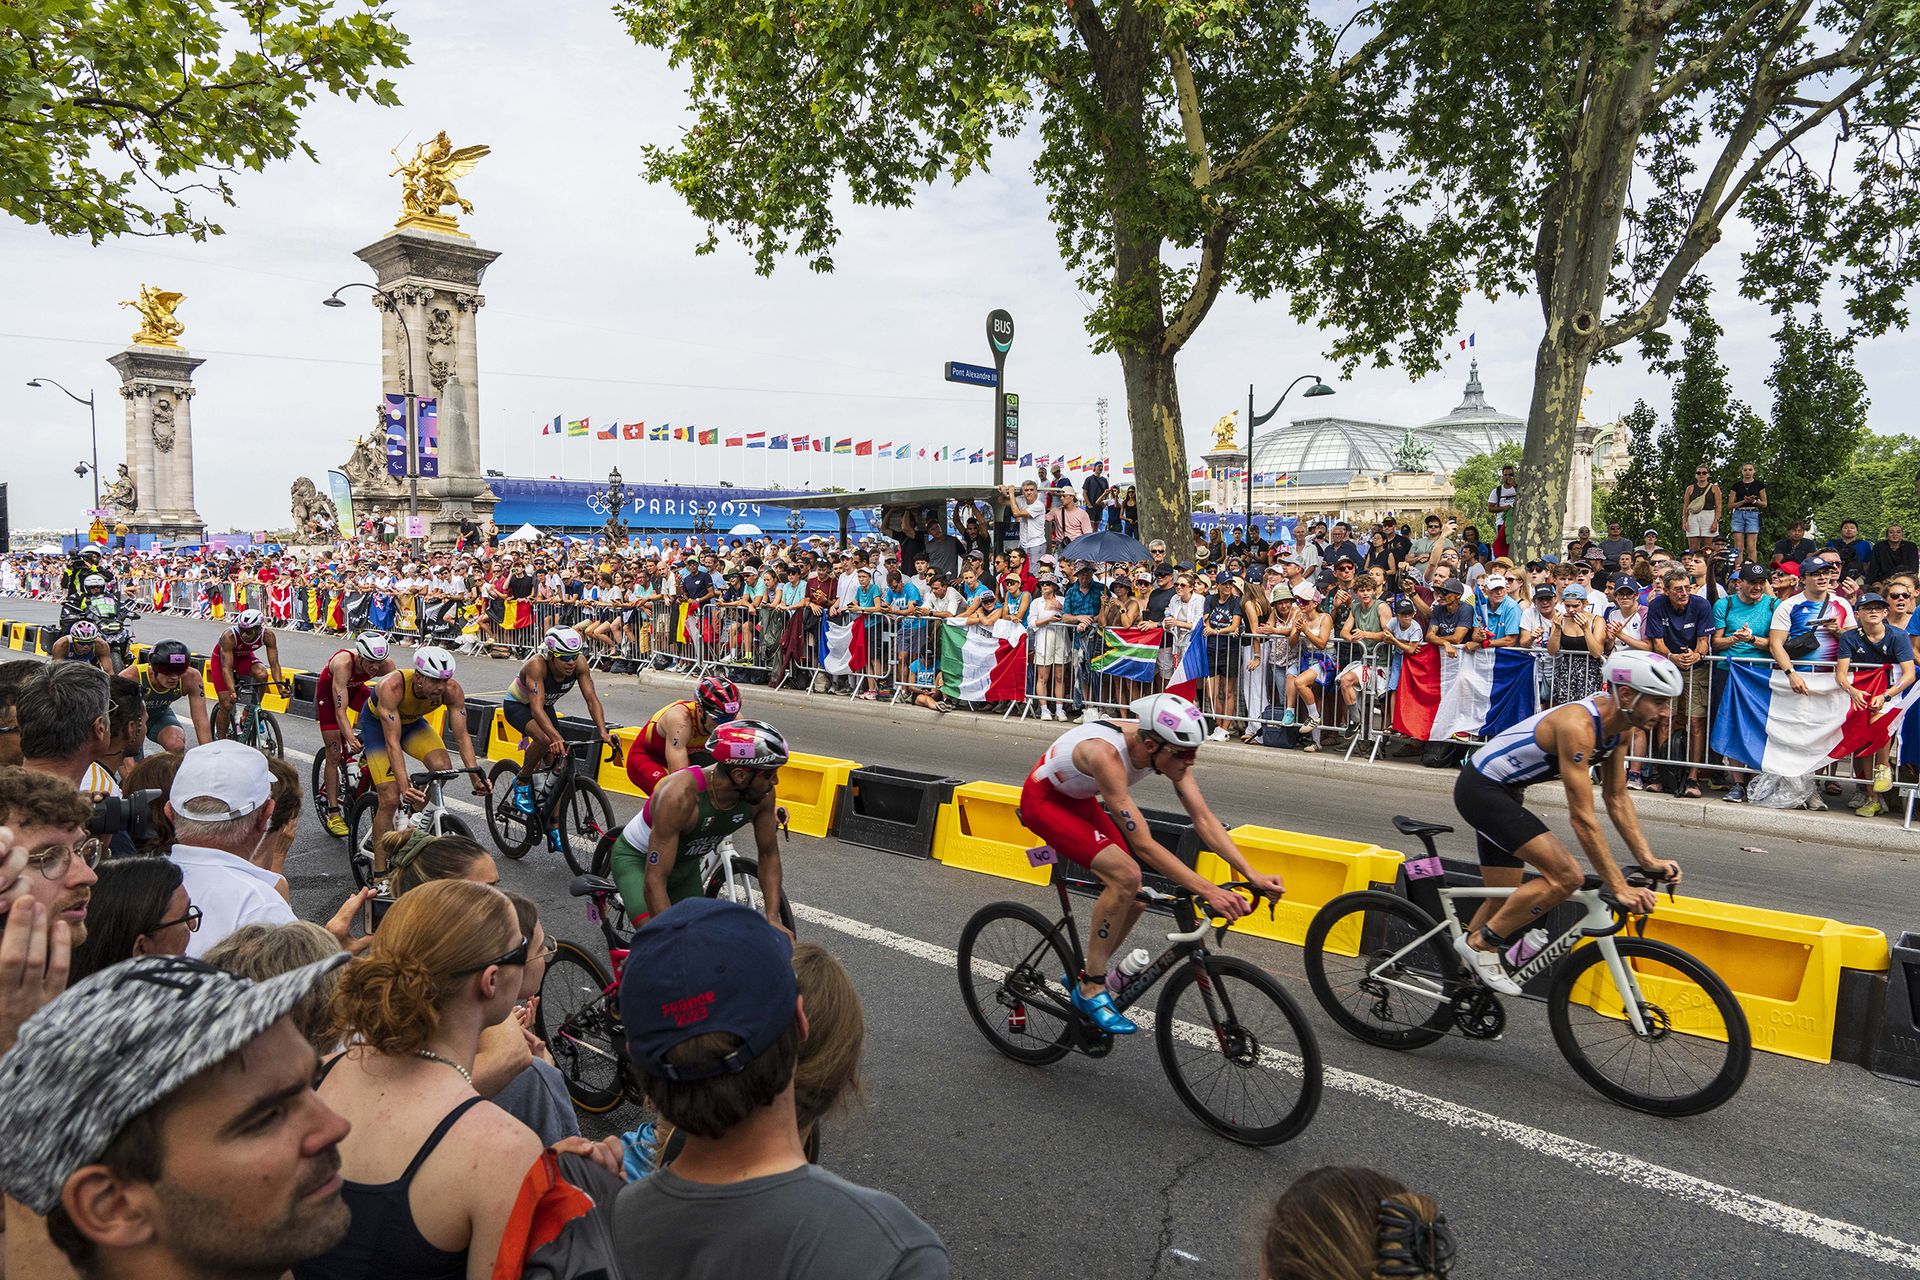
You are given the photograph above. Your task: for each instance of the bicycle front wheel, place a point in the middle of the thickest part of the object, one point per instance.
(1009, 955)
(453, 826)
(513, 832)
(745, 889)
(360, 839)
(1371, 978)
(267, 736)
(316, 780)
(1694, 1050)
(584, 818)
(581, 1026)
(1240, 1055)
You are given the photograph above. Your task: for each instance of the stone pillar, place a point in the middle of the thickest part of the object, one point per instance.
(1227, 495)
(433, 278)
(157, 385)
(1579, 509)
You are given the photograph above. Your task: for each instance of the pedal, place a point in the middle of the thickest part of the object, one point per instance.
(1089, 1039)
(1478, 1013)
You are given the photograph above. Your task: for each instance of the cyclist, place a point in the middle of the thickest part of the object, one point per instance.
(1098, 763)
(393, 724)
(82, 643)
(667, 741)
(1563, 742)
(545, 678)
(656, 858)
(339, 695)
(165, 677)
(236, 657)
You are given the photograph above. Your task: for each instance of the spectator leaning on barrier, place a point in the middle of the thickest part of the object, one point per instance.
(1874, 644)
(1680, 625)
(1740, 625)
(714, 1024)
(161, 1115)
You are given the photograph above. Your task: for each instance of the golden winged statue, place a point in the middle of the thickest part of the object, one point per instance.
(427, 179)
(158, 328)
(1226, 432)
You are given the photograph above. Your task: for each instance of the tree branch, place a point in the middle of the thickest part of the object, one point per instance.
(1208, 278)
(1190, 122)
(1250, 153)
(1690, 71)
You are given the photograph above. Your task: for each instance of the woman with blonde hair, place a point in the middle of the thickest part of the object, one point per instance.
(432, 1169)
(1344, 1223)
(261, 951)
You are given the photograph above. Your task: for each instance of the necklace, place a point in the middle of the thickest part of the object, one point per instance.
(431, 1056)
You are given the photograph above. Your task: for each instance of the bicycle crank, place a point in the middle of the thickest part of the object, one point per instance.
(1089, 1039)
(1478, 1013)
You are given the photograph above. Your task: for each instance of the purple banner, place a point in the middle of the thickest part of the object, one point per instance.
(426, 425)
(396, 410)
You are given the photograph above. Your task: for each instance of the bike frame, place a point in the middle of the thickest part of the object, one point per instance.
(1598, 923)
(1187, 944)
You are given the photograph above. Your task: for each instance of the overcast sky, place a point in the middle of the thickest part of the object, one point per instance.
(597, 306)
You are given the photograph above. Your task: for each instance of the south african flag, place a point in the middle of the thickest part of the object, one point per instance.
(1132, 653)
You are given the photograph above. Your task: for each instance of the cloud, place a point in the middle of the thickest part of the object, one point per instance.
(598, 306)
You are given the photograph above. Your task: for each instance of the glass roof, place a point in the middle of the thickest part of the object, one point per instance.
(1336, 448)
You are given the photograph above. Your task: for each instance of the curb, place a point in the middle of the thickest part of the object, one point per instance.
(1833, 827)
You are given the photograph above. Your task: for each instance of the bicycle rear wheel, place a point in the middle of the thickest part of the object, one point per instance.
(513, 832)
(1696, 1048)
(316, 778)
(1402, 1005)
(1010, 954)
(585, 816)
(582, 1028)
(746, 889)
(1240, 1055)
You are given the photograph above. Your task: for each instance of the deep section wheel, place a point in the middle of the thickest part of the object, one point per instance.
(1011, 963)
(582, 1028)
(1238, 1051)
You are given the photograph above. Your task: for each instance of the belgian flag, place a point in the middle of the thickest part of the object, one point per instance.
(516, 614)
(336, 612)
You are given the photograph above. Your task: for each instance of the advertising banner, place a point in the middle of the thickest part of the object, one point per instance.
(426, 426)
(395, 409)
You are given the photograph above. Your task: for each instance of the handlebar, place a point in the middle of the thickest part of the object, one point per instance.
(1199, 931)
(1637, 878)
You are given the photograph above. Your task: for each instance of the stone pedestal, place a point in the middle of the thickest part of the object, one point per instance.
(433, 279)
(157, 384)
(1579, 511)
(1227, 495)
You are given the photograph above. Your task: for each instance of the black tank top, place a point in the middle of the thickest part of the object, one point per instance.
(383, 1240)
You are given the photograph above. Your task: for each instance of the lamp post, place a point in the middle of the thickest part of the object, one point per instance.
(615, 496)
(413, 445)
(1318, 388)
(93, 427)
(796, 522)
(702, 524)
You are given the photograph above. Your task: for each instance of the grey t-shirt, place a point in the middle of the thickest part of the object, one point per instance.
(805, 1225)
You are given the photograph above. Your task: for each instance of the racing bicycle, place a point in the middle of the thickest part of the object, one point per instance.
(568, 805)
(579, 1013)
(1644, 1023)
(354, 781)
(1235, 1046)
(249, 724)
(725, 872)
(431, 817)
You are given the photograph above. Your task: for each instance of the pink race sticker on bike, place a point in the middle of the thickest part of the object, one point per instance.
(1424, 868)
(1042, 855)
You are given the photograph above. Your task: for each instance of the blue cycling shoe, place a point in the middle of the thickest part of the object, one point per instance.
(1100, 1009)
(523, 797)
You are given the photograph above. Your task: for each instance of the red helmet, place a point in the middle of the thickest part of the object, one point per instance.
(750, 744)
(719, 698)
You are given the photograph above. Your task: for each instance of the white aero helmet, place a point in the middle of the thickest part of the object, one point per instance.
(563, 642)
(1643, 672)
(84, 631)
(249, 620)
(1171, 719)
(434, 662)
(371, 645)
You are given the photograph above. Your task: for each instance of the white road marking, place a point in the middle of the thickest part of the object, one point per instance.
(1617, 1166)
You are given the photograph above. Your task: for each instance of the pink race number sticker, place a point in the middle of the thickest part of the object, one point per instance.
(1042, 855)
(1424, 868)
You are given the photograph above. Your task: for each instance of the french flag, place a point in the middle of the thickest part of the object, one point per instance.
(1187, 673)
(843, 647)
(1764, 724)
(1478, 693)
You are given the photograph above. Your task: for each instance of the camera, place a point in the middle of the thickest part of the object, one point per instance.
(131, 815)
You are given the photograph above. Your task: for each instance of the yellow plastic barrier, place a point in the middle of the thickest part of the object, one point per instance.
(16, 635)
(613, 773)
(1317, 870)
(979, 830)
(505, 740)
(1783, 968)
(809, 790)
(277, 699)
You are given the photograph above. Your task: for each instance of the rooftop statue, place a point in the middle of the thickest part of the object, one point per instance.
(158, 328)
(427, 179)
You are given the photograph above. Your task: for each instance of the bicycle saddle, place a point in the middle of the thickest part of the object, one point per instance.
(1415, 827)
(586, 886)
(437, 775)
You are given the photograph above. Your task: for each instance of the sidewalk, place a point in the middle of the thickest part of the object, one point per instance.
(1838, 826)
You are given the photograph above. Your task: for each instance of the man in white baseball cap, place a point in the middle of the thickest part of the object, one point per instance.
(220, 803)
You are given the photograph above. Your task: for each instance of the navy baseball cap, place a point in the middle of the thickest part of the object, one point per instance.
(700, 966)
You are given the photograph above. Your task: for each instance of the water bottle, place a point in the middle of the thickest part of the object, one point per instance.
(1131, 966)
(1530, 944)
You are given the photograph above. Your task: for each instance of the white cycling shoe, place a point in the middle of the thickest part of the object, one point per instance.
(1486, 966)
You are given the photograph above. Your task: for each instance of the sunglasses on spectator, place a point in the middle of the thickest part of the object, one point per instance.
(516, 956)
(1899, 595)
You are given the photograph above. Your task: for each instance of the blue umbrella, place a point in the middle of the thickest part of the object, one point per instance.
(1104, 546)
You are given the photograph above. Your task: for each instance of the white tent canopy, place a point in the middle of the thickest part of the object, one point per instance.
(525, 533)
(744, 530)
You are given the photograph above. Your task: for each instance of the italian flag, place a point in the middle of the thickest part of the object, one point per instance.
(984, 664)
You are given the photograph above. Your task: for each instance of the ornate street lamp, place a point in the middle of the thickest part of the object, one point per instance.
(387, 301)
(615, 496)
(1318, 388)
(93, 425)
